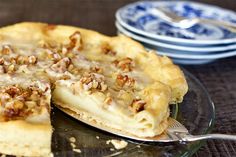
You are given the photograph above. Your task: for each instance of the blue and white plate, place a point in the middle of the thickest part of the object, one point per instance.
(136, 18)
(176, 48)
(175, 53)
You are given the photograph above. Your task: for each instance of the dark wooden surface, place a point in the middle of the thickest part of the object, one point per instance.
(218, 77)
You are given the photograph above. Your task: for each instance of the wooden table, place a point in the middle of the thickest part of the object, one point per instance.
(218, 77)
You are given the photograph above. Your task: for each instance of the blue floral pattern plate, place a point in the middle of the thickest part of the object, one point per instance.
(178, 49)
(136, 18)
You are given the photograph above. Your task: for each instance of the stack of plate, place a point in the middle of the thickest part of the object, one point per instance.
(202, 43)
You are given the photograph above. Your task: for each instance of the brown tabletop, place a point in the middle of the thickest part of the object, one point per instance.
(219, 77)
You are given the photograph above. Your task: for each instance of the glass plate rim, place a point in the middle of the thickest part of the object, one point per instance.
(195, 147)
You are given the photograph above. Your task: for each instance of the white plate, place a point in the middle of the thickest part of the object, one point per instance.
(199, 57)
(183, 55)
(176, 47)
(191, 61)
(136, 18)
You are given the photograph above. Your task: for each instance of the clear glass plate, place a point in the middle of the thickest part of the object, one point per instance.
(196, 112)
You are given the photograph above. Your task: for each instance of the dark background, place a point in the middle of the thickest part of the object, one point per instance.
(218, 77)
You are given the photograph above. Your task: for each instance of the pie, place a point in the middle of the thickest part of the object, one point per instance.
(112, 81)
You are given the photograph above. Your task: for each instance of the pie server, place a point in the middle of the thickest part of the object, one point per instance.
(175, 131)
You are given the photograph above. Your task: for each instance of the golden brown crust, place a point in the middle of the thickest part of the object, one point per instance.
(24, 138)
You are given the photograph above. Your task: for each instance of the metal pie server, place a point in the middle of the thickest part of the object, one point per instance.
(175, 131)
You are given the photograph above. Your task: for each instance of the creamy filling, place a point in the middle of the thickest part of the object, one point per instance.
(142, 124)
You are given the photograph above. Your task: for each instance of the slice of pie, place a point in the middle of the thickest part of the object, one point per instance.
(25, 127)
(111, 81)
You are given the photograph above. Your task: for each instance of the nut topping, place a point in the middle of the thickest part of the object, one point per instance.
(51, 55)
(75, 41)
(124, 80)
(93, 81)
(22, 59)
(1, 61)
(137, 105)
(18, 102)
(6, 49)
(12, 90)
(106, 49)
(62, 65)
(11, 68)
(96, 69)
(125, 64)
(4, 96)
(32, 59)
(108, 100)
(18, 105)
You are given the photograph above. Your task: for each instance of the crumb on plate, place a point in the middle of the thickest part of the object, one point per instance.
(118, 144)
(72, 139)
(77, 150)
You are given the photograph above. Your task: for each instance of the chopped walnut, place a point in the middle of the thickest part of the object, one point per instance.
(96, 69)
(30, 104)
(25, 60)
(10, 69)
(12, 60)
(18, 102)
(11, 112)
(32, 59)
(108, 100)
(103, 86)
(106, 49)
(4, 96)
(6, 49)
(22, 59)
(65, 51)
(49, 54)
(93, 81)
(75, 41)
(62, 65)
(125, 64)
(124, 80)
(64, 77)
(137, 105)
(74, 70)
(12, 90)
(18, 105)
(1, 61)
(10, 65)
